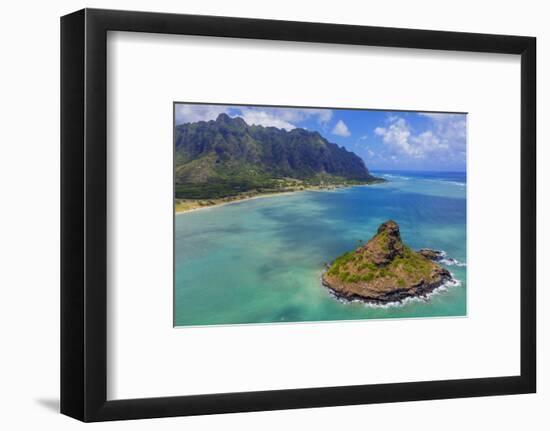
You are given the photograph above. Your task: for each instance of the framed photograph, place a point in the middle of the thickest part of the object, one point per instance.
(262, 215)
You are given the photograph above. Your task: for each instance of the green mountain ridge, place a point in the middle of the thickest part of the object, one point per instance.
(226, 157)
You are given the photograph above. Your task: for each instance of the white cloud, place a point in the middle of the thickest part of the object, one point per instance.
(297, 115)
(283, 118)
(186, 113)
(447, 132)
(341, 129)
(323, 115)
(450, 129)
(440, 115)
(397, 135)
(265, 118)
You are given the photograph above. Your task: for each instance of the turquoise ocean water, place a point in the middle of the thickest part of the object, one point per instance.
(260, 261)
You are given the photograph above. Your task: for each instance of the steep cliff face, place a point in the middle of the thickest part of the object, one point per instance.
(228, 149)
(384, 270)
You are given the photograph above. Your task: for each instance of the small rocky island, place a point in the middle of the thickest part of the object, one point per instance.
(385, 270)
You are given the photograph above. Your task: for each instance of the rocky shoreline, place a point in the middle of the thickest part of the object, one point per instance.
(396, 297)
(385, 270)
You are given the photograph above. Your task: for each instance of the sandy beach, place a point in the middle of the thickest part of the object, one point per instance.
(183, 206)
(197, 205)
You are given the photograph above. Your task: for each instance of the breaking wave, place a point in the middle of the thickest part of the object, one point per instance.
(449, 261)
(453, 282)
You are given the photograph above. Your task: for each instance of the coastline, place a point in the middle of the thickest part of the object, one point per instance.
(227, 201)
(202, 204)
(397, 297)
(240, 226)
(453, 282)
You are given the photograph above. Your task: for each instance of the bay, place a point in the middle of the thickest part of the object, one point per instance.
(261, 260)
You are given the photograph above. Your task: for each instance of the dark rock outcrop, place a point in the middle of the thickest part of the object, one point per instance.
(385, 270)
(435, 255)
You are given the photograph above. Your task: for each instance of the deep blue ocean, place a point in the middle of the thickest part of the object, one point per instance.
(261, 260)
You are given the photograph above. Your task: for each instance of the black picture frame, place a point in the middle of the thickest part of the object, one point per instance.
(84, 214)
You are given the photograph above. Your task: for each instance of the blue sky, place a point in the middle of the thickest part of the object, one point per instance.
(386, 140)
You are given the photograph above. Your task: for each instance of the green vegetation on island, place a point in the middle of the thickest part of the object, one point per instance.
(227, 159)
(385, 270)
